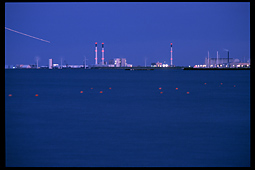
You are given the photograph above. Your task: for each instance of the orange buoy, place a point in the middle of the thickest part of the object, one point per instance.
(176, 88)
(160, 88)
(161, 92)
(10, 95)
(221, 83)
(36, 95)
(205, 83)
(110, 88)
(234, 85)
(81, 91)
(91, 88)
(101, 91)
(187, 92)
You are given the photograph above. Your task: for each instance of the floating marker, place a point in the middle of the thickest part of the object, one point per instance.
(110, 88)
(161, 92)
(101, 91)
(221, 83)
(205, 83)
(10, 95)
(234, 85)
(160, 88)
(176, 88)
(36, 95)
(187, 92)
(91, 88)
(81, 91)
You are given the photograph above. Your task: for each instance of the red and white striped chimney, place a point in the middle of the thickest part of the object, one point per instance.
(171, 59)
(96, 53)
(102, 53)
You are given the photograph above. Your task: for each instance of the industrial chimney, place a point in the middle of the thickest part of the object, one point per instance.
(102, 53)
(96, 53)
(171, 59)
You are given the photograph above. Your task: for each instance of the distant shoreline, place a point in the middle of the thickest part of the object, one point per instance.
(240, 68)
(98, 68)
(134, 68)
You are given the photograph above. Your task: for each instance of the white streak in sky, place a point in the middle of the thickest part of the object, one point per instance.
(27, 35)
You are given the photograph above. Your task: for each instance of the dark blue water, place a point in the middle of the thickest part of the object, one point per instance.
(131, 124)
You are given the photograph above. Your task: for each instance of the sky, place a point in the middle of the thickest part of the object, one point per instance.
(132, 30)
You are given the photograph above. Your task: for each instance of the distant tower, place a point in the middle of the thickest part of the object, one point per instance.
(171, 59)
(217, 61)
(50, 63)
(61, 63)
(208, 61)
(96, 53)
(228, 57)
(102, 53)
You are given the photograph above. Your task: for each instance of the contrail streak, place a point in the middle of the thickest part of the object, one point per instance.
(27, 35)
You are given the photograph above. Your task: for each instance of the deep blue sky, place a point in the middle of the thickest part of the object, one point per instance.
(132, 30)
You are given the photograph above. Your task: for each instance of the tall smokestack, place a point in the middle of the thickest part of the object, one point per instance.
(171, 59)
(208, 61)
(50, 63)
(96, 53)
(228, 57)
(102, 53)
(217, 61)
(228, 54)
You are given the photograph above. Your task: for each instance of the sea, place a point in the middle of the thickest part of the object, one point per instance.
(127, 118)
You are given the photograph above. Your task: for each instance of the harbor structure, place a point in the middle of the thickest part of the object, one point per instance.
(158, 64)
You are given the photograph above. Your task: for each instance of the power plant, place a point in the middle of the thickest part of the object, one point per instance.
(210, 62)
(219, 62)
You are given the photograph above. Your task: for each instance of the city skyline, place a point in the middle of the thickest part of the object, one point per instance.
(73, 28)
